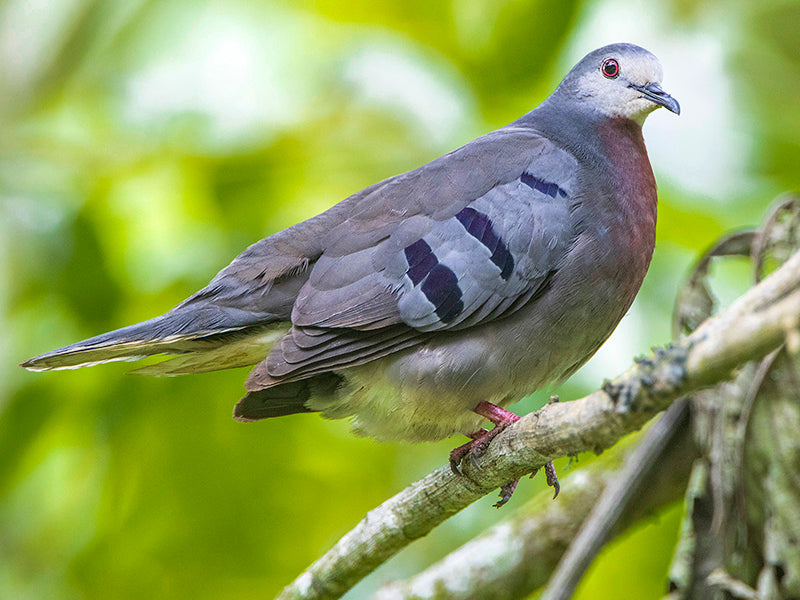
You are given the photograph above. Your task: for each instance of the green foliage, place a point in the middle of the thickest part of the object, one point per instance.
(144, 144)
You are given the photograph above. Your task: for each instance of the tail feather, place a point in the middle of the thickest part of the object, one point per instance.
(241, 349)
(175, 332)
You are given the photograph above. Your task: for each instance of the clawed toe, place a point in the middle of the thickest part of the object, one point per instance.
(552, 478)
(474, 449)
(506, 492)
(458, 454)
(456, 457)
(474, 455)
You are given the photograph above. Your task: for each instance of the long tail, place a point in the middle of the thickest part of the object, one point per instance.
(231, 322)
(180, 331)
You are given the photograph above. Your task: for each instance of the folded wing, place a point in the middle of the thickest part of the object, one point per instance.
(484, 229)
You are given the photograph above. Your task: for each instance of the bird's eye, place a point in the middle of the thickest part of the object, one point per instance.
(610, 68)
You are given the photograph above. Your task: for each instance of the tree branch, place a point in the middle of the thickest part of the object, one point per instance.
(518, 555)
(754, 325)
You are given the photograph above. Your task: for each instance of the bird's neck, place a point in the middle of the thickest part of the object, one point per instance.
(632, 176)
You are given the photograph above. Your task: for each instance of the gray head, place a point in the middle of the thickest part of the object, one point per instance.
(619, 80)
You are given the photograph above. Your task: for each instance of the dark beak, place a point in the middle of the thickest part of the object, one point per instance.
(654, 93)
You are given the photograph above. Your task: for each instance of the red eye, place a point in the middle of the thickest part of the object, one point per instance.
(610, 68)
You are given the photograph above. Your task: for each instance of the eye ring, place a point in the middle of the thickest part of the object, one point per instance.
(610, 68)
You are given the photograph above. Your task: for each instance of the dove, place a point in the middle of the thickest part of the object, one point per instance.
(423, 305)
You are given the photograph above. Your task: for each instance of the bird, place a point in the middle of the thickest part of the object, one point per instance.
(423, 305)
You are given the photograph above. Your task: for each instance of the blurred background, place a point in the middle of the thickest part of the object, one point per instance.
(144, 144)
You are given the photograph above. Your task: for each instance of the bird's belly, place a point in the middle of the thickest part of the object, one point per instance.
(388, 412)
(427, 393)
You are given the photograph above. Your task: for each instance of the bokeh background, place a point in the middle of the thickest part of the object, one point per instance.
(144, 144)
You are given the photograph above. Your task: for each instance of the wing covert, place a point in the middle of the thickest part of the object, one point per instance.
(452, 265)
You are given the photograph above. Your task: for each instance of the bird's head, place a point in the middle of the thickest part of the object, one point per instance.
(619, 80)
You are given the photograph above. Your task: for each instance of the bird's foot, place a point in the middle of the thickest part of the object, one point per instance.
(552, 478)
(508, 489)
(480, 442)
(482, 438)
(501, 418)
(458, 454)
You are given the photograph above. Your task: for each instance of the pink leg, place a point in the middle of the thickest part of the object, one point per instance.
(481, 439)
(499, 416)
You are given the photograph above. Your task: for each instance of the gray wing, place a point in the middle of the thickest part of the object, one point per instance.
(461, 241)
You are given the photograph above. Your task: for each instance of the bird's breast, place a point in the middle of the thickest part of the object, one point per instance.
(632, 184)
(622, 227)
